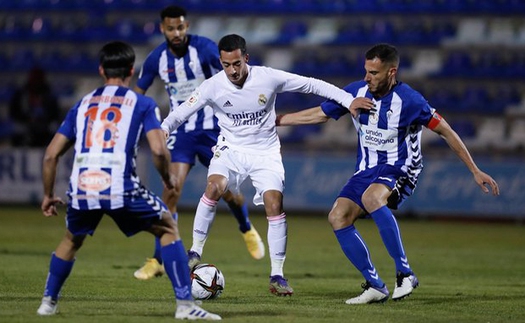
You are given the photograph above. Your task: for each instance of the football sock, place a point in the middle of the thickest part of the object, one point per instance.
(389, 231)
(184, 304)
(156, 252)
(356, 251)
(277, 238)
(59, 270)
(241, 215)
(204, 217)
(176, 267)
(277, 267)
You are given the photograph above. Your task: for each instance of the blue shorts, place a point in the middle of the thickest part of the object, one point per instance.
(388, 175)
(138, 214)
(186, 146)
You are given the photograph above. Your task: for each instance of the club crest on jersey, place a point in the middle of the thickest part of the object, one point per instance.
(262, 99)
(373, 118)
(181, 73)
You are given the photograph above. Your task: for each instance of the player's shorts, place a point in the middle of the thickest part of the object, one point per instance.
(138, 214)
(403, 189)
(265, 171)
(388, 175)
(185, 147)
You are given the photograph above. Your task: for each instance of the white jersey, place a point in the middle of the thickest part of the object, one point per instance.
(247, 114)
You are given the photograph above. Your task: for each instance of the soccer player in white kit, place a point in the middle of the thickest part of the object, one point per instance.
(182, 62)
(243, 99)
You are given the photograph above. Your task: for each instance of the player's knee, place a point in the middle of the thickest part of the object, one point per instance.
(273, 206)
(273, 209)
(335, 217)
(175, 192)
(167, 225)
(74, 242)
(233, 199)
(273, 202)
(214, 190)
(340, 218)
(371, 202)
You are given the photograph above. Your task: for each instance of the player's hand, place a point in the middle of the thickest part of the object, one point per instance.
(483, 179)
(49, 205)
(360, 103)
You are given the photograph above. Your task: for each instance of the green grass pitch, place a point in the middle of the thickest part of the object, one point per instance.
(469, 272)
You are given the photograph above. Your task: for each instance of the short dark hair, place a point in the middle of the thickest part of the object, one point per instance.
(172, 12)
(117, 59)
(385, 52)
(232, 42)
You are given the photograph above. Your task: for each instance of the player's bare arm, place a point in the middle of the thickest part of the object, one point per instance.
(456, 144)
(161, 156)
(309, 116)
(360, 103)
(58, 146)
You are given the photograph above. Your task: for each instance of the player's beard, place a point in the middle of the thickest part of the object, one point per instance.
(379, 89)
(177, 47)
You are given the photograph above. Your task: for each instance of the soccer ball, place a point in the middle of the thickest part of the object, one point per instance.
(207, 282)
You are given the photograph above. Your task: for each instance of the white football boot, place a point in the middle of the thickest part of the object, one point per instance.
(370, 295)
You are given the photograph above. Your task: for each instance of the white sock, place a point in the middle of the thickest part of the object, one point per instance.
(277, 238)
(204, 217)
(184, 304)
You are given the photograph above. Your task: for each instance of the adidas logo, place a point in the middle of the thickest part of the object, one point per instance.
(227, 104)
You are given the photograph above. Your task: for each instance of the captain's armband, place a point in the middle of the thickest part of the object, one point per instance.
(434, 121)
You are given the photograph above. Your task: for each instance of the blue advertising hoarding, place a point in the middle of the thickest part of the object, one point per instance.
(446, 187)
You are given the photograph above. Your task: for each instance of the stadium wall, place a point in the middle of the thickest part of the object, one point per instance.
(445, 188)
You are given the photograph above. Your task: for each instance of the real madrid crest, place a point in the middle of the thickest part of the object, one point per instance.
(262, 99)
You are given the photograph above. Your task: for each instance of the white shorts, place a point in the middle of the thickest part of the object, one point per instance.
(265, 171)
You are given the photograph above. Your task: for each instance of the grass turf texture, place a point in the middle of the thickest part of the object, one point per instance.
(469, 272)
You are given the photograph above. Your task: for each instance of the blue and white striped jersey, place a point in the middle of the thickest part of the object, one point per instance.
(182, 75)
(106, 126)
(392, 133)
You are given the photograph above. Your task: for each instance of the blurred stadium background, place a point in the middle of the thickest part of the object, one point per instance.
(466, 56)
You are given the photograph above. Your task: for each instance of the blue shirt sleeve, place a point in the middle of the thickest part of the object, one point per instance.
(424, 110)
(69, 126)
(214, 56)
(151, 119)
(208, 55)
(333, 109)
(149, 71)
